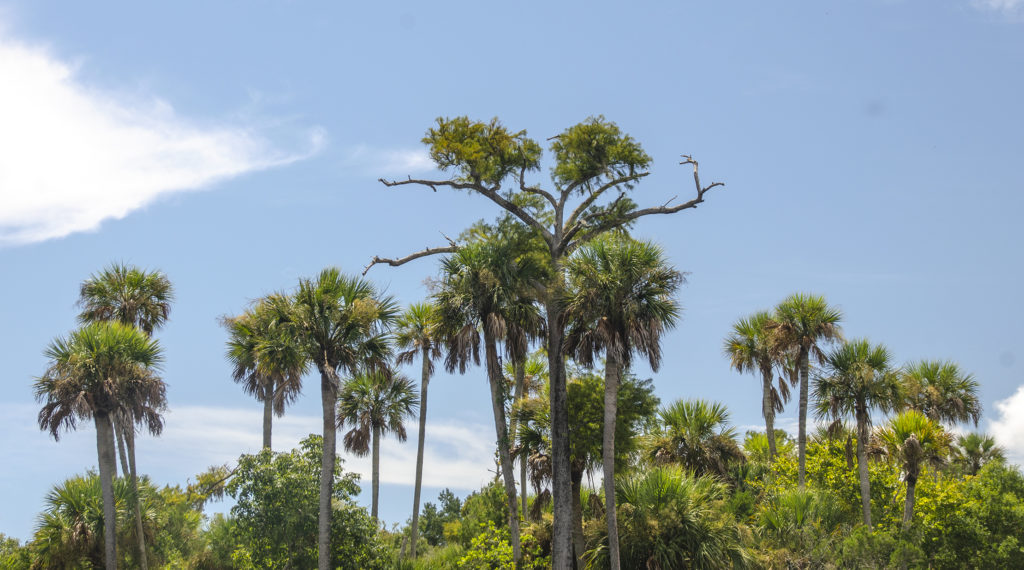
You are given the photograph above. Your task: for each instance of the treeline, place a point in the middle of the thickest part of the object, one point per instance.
(555, 300)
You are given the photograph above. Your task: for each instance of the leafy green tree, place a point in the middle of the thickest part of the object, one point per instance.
(756, 445)
(800, 323)
(93, 373)
(484, 285)
(341, 323)
(275, 518)
(695, 434)
(595, 166)
(941, 391)
(132, 296)
(375, 404)
(751, 348)
(266, 358)
(913, 440)
(434, 518)
(418, 334)
(619, 301)
(13, 555)
(974, 450)
(856, 378)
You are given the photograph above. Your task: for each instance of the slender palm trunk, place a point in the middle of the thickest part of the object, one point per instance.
(501, 429)
(579, 543)
(268, 415)
(768, 411)
(375, 477)
(862, 463)
(908, 506)
(129, 439)
(425, 379)
(119, 438)
(612, 372)
(804, 365)
(105, 453)
(519, 369)
(561, 484)
(329, 401)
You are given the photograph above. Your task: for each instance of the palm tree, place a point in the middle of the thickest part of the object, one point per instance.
(914, 440)
(974, 450)
(418, 334)
(96, 371)
(750, 348)
(375, 404)
(941, 391)
(696, 435)
(800, 323)
(857, 378)
(131, 296)
(526, 377)
(266, 358)
(619, 301)
(341, 323)
(484, 285)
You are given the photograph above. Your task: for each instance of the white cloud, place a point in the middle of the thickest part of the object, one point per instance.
(388, 163)
(73, 156)
(1008, 428)
(457, 455)
(1006, 7)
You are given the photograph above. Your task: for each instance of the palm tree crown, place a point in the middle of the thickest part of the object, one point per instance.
(696, 435)
(127, 294)
(99, 369)
(941, 391)
(375, 401)
(914, 440)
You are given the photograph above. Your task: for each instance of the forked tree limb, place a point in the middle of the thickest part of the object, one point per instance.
(491, 194)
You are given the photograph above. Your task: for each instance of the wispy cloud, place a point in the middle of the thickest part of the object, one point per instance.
(457, 455)
(1008, 428)
(389, 163)
(73, 156)
(1011, 8)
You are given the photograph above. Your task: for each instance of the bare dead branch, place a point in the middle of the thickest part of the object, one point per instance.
(597, 194)
(534, 189)
(413, 256)
(491, 193)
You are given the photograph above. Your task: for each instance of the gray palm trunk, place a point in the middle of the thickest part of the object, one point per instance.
(425, 379)
(801, 440)
(579, 542)
(520, 373)
(375, 475)
(119, 438)
(908, 506)
(107, 459)
(329, 401)
(768, 410)
(268, 415)
(501, 428)
(561, 484)
(129, 433)
(862, 462)
(612, 372)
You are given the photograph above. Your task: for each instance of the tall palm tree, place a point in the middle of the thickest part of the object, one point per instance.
(266, 358)
(417, 334)
(974, 450)
(375, 404)
(914, 440)
(619, 301)
(941, 391)
(484, 284)
(341, 323)
(801, 322)
(94, 372)
(132, 296)
(857, 377)
(750, 348)
(695, 434)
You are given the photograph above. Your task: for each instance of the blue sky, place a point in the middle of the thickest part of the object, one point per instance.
(870, 151)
